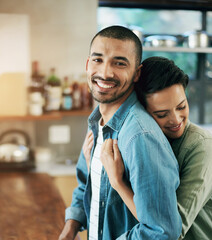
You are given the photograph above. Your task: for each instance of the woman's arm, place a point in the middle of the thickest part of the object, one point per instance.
(195, 187)
(113, 164)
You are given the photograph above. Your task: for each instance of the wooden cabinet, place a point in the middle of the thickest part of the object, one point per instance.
(66, 186)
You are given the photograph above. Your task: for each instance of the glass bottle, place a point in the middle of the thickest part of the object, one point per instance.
(36, 91)
(67, 99)
(53, 91)
(77, 101)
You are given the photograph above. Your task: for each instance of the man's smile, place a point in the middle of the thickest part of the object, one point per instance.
(105, 84)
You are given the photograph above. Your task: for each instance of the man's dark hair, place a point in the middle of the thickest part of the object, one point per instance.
(158, 73)
(122, 33)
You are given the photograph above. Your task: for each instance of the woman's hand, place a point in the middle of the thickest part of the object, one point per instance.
(114, 166)
(87, 146)
(112, 162)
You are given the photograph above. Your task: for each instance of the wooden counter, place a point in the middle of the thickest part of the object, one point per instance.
(31, 207)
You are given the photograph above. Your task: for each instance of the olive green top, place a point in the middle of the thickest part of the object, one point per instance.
(194, 153)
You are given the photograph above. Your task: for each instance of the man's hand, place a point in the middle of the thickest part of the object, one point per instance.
(70, 231)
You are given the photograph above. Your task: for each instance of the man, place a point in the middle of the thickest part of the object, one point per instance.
(151, 169)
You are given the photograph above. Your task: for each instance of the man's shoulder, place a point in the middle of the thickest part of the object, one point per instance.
(139, 122)
(140, 119)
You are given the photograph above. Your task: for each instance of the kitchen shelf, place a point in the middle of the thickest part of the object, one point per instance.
(178, 49)
(56, 115)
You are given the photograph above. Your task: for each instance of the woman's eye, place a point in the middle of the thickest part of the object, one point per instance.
(161, 116)
(182, 108)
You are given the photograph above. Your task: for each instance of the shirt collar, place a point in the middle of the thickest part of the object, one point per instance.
(118, 118)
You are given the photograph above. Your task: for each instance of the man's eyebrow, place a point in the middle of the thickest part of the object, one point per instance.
(94, 54)
(122, 58)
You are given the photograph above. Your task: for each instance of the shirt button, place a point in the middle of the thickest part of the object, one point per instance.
(101, 232)
(103, 203)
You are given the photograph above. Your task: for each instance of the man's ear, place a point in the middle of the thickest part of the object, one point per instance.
(138, 73)
(87, 64)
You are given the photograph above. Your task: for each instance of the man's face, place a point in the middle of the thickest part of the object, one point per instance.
(111, 69)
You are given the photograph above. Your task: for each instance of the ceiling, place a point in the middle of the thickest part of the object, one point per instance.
(160, 4)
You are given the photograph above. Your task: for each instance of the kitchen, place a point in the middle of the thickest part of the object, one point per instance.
(57, 34)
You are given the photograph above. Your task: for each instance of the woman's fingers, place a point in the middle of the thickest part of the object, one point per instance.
(90, 141)
(116, 151)
(118, 157)
(112, 162)
(109, 145)
(106, 151)
(90, 136)
(87, 146)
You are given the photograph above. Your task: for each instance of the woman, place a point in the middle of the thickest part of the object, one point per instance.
(161, 90)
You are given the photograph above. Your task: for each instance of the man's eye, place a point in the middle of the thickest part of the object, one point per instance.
(97, 60)
(121, 64)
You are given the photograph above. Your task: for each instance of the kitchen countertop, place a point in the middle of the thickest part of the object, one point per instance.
(31, 207)
(56, 169)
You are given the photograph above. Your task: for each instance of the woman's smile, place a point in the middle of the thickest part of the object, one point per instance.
(169, 107)
(175, 128)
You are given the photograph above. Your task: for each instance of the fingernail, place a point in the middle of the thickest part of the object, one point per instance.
(115, 141)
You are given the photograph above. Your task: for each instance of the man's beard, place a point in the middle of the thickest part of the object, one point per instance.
(114, 97)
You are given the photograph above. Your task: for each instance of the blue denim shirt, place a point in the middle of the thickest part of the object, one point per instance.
(150, 168)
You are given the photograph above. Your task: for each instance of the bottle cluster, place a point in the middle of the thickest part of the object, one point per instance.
(46, 94)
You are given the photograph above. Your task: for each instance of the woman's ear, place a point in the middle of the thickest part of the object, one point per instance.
(138, 73)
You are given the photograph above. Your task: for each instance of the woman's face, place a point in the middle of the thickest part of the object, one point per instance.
(169, 107)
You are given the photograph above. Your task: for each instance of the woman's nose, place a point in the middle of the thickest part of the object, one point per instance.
(174, 118)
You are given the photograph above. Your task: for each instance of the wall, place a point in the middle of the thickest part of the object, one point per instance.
(62, 152)
(60, 34)
(60, 31)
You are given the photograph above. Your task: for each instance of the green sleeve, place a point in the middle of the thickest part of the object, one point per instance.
(195, 180)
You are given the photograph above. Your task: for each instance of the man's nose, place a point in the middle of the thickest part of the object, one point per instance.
(106, 71)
